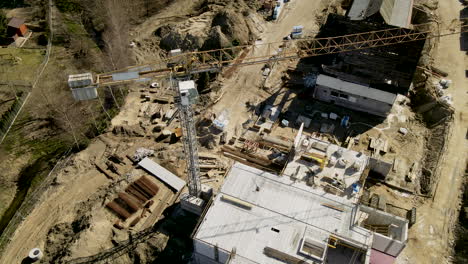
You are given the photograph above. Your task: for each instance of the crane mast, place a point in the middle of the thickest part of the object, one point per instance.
(189, 137)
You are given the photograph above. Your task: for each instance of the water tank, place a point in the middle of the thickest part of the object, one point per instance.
(35, 254)
(332, 161)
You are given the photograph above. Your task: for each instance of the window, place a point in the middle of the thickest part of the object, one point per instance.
(334, 94)
(345, 96)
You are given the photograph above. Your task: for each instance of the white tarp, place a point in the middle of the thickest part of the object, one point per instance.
(161, 173)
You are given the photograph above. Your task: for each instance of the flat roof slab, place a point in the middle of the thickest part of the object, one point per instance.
(292, 208)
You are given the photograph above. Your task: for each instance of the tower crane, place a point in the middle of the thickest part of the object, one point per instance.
(84, 86)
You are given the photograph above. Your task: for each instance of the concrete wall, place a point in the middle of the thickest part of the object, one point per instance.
(207, 252)
(387, 245)
(354, 102)
(201, 259)
(380, 166)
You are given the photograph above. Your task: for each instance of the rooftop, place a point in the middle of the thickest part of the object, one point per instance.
(343, 165)
(16, 22)
(356, 89)
(256, 210)
(162, 174)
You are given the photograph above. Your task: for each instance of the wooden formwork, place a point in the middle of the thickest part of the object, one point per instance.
(131, 202)
(119, 210)
(142, 186)
(142, 191)
(149, 184)
(135, 193)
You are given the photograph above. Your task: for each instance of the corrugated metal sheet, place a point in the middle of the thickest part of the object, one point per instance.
(355, 89)
(161, 173)
(122, 76)
(86, 93)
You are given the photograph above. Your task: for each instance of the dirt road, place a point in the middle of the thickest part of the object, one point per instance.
(431, 238)
(243, 86)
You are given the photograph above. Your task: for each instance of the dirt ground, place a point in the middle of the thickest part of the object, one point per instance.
(80, 181)
(431, 238)
(244, 85)
(80, 189)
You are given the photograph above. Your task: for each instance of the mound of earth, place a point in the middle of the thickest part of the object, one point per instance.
(219, 24)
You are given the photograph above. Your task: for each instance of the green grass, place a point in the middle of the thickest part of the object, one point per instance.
(73, 27)
(20, 64)
(68, 6)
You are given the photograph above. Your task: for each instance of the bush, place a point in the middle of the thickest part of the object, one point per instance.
(42, 40)
(3, 26)
(67, 6)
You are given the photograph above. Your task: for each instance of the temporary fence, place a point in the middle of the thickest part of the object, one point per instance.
(9, 117)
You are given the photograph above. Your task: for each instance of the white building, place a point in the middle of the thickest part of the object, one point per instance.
(353, 96)
(259, 217)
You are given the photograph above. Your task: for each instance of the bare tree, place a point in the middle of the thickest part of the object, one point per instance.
(116, 34)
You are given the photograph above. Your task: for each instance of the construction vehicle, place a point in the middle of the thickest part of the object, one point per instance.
(180, 66)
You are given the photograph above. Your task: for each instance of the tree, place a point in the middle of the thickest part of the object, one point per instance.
(3, 26)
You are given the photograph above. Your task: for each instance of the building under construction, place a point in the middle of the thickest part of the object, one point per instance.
(385, 71)
(259, 217)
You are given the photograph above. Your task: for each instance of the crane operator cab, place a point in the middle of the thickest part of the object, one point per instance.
(188, 93)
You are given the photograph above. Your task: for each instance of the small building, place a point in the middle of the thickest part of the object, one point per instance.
(393, 12)
(353, 96)
(82, 86)
(16, 28)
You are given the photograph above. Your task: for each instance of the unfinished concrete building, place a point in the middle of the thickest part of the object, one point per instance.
(259, 217)
(379, 72)
(392, 12)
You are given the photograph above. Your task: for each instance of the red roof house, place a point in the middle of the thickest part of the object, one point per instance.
(17, 27)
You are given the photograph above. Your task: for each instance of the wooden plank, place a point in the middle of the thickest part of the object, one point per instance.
(332, 207)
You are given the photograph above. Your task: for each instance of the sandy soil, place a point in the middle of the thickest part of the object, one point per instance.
(431, 238)
(80, 181)
(57, 203)
(244, 86)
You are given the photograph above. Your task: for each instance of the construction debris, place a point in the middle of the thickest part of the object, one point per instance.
(142, 153)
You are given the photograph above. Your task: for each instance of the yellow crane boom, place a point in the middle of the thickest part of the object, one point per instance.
(259, 53)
